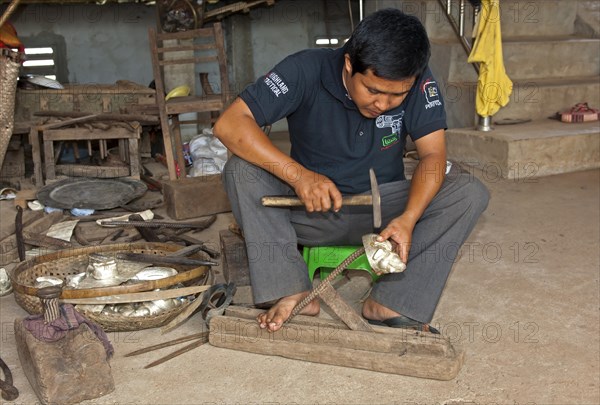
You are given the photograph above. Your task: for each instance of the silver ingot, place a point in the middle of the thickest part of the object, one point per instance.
(5, 285)
(141, 311)
(102, 267)
(125, 309)
(95, 309)
(123, 271)
(74, 280)
(111, 310)
(381, 256)
(48, 281)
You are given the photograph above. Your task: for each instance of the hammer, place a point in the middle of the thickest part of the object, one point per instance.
(373, 199)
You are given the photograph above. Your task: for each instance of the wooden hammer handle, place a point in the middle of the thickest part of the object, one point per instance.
(290, 201)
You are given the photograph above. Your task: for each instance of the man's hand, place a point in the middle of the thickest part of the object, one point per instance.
(317, 192)
(238, 131)
(399, 231)
(426, 181)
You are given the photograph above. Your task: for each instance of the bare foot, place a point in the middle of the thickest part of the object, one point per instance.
(274, 318)
(375, 311)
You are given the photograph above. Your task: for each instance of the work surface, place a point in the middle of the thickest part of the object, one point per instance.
(522, 300)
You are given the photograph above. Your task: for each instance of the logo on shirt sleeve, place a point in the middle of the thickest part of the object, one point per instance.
(431, 92)
(275, 84)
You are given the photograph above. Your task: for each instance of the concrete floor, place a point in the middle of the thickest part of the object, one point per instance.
(523, 300)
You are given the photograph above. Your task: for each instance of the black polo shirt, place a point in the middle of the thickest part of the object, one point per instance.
(328, 134)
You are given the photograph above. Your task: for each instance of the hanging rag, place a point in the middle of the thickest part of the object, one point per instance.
(69, 319)
(493, 86)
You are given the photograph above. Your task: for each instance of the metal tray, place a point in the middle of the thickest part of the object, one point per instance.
(91, 193)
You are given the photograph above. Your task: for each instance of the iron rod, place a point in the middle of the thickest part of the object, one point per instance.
(461, 18)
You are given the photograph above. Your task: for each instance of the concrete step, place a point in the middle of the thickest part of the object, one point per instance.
(525, 58)
(449, 61)
(530, 99)
(526, 151)
(539, 98)
(556, 56)
(535, 18)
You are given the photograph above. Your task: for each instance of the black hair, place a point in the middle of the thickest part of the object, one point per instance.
(393, 45)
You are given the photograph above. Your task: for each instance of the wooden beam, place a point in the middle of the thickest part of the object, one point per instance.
(404, 352)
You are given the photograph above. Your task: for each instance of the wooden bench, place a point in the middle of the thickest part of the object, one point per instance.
(94, 129)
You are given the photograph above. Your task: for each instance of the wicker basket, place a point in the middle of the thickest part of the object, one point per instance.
(9, 70)
(70, 262)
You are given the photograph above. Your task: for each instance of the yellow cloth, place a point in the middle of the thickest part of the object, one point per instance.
(493, 86)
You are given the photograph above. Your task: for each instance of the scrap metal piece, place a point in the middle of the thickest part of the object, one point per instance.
(200, 225)
(147, 233)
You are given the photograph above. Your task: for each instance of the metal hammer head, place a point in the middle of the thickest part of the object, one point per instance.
(376, 200)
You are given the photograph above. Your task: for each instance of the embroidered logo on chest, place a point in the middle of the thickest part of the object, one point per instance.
(394, 122)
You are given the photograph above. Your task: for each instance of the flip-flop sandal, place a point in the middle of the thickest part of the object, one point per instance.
(405, 322)
(581, 112)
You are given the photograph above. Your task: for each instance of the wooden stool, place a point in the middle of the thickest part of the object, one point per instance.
(327, 258)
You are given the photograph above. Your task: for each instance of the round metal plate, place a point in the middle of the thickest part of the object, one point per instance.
(154, 273)
(92, 193)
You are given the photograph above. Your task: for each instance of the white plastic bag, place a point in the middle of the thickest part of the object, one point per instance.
(208, 154)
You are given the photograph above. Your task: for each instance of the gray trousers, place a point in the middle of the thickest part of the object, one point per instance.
(272, 236)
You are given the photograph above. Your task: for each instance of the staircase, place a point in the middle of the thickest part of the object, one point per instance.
(552, 54)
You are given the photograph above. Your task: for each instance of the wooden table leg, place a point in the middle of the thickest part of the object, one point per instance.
(49, 163)
(34, 141)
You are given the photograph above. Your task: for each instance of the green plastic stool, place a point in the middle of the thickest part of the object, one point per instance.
(327, 258)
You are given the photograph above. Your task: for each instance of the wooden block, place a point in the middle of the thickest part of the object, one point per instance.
(194, 197)
(67, 371)
(234, 258)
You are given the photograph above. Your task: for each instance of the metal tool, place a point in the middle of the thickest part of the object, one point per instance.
(216, 299)
(293, 201)
(373, 199)
(200, 339)
(376, 200)
(159, 224)
(213, 303)
(9, 391)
